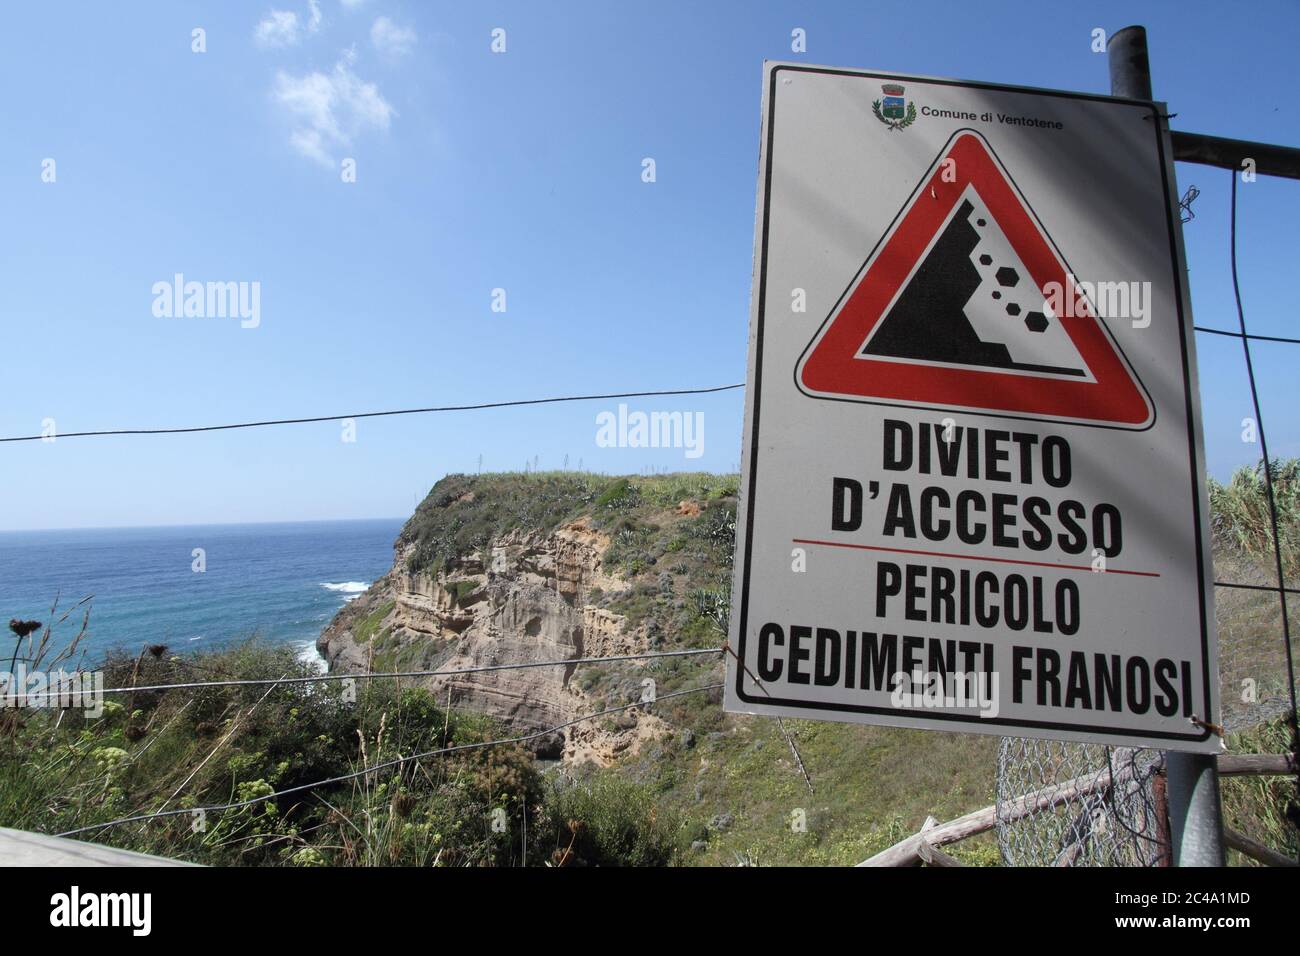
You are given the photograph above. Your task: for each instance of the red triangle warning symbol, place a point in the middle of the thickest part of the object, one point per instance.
(954, 310)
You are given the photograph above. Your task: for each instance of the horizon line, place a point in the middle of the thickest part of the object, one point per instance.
(198, 524)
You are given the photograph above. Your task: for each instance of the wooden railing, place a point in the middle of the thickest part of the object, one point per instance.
(923, 847)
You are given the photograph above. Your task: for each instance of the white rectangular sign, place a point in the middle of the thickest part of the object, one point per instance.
(972, 494)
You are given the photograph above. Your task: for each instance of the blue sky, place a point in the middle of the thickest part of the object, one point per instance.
(476, 171)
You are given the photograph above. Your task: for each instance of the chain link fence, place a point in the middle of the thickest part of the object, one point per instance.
(1099, 806)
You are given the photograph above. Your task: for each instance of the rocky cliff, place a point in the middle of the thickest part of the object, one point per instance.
(525, 597)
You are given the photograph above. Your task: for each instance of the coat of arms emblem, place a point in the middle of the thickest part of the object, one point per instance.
(892, 109)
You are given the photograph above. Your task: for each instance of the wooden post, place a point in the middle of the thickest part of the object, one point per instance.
(1161, 797)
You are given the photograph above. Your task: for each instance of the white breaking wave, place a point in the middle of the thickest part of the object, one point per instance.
(347, 587)
(308, 654)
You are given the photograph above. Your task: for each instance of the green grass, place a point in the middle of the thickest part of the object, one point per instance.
(1252, 654)
(365, 629)
(462, 514)
(619, 494)
(460, 590)
(872, 786)
(1255, 806)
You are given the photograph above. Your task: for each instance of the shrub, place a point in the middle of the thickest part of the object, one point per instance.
(609, 821)
(1240, 515)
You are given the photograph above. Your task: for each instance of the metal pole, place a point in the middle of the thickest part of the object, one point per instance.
(1130, 76)
(1130, 69)
(1195, 817)
(1269, 160)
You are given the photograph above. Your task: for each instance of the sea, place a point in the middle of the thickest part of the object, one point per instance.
(192, 587)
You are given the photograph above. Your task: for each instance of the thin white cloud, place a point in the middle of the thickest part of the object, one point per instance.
(392, 41)
(279, 28)
(331, 110)
(282, 28)
(353, 4)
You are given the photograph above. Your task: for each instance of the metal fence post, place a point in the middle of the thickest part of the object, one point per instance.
(1195, 816)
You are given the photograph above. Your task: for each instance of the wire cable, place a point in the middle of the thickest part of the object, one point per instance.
(401, 411)
(1255, 587)
(1238, 335)
(263, 681)
(384, 766)
(1268, 483)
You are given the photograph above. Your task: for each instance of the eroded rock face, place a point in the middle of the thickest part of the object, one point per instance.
(527, 600)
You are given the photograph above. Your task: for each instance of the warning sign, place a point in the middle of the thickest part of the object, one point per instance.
(963, 288)
(972, 495)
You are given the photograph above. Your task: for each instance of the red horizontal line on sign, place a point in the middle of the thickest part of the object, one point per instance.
(970, 557)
